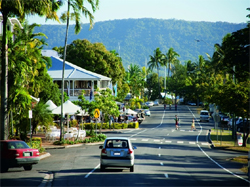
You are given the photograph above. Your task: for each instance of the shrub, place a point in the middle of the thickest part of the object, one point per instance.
(73, 123)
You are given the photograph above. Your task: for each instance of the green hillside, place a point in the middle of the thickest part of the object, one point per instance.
(138, 38)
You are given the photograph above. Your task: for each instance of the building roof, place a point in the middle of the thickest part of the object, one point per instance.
(72, 71)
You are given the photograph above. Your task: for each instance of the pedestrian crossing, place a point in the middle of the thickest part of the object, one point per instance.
(163, 141)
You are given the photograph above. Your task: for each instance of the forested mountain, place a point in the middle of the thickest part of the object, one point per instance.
(136, 39)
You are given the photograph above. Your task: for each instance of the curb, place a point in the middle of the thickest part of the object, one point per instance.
(45, 156)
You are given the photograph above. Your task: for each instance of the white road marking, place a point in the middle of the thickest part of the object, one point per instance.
(166, 175)
(161, 164)
(191, 142)
(144, 140)
(156, 140)
(197, 141)
(159, 155)
(132, 139)
(92, 171)
(182, 130)
(179, 141)
(204, 143)
(168, 141)
(159, 147)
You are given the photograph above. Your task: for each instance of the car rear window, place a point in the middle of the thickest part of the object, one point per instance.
(17, 145)
(117, 143)
(204, 113)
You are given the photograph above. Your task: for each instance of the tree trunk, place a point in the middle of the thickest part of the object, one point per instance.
(64, 58)
(4, 82)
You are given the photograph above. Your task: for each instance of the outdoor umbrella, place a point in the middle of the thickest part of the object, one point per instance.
(129, 111)
(68, 108)
(51, 105)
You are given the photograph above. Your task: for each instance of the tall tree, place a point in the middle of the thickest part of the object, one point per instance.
(170, 60)
(77, 6)
(156, 62)
(18, 8)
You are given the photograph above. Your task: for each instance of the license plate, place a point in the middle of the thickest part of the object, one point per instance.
(27, 154)
(117, 153)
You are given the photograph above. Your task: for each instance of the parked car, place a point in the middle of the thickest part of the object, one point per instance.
(191, 103)
(204, 115)
(147, 112)
(131, 118)
(150, 103)
(117, 152)
(16, 153)
(156, 103)
(244, 124)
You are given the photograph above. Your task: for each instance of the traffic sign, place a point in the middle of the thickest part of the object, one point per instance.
(97, 113)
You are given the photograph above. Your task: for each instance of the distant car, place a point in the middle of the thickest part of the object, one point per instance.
(156, 103)
(131, 118)
(204, 115)
(147, 112)
(117, 152)
(244, 124)
(16, 153)
(191, 103)
(150, 103)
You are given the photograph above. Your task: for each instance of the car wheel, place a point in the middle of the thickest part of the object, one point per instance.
(132, 169)
(27, 168)
(207, 120)
(102, 168)
(4, 169)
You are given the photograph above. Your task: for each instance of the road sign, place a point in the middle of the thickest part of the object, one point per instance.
(97, 113)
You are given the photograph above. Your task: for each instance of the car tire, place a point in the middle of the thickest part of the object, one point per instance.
(207, 120)
(4, 169)
(132, 169)
(27, 168)
(102, 168)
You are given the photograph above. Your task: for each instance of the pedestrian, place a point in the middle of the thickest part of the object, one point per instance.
(193, 125)
(176, 122)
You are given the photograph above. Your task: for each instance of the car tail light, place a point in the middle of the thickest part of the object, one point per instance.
(104, 151)
(130, 151)
(37, 153)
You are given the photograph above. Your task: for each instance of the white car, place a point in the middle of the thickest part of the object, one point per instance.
(204, 115)
(117, 152)
(156, 103)
(147, 112)
(150, 103)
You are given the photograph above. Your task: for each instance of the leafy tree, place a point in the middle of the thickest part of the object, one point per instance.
(156, 62)
(136, 102)
(18, 8)
(105, 102)
(170, 60)
(41, 115)
(96, 58)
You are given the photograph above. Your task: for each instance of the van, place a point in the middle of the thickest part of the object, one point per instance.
(204, 115)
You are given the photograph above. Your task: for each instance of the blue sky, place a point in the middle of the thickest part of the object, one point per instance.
(233, 11)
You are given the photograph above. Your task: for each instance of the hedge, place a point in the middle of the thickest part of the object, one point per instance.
(92, 126)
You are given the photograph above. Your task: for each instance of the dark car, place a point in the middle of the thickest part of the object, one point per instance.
(16, 153)
(244, 124)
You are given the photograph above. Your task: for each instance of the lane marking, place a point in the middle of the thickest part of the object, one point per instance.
(197, 141)
(156, 140)
(159, 155)
(161, 164)
(179, 141)
(191, 142)
(166, 175)
(92, 171)
(168, 141)
(144, 140)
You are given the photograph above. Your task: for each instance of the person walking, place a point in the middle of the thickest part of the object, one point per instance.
(193, 125)
(176, 122)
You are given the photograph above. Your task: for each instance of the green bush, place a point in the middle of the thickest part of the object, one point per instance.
(133, 125)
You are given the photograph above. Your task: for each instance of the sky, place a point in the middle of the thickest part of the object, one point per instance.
(233, 11)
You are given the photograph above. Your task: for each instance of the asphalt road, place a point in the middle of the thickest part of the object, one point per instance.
(164, 157)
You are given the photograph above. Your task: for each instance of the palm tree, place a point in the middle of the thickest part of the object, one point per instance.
(77, 6)
(156, 62)
(170, 59)
(18, 8)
